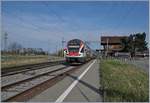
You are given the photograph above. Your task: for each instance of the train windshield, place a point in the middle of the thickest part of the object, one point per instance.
(73, 49)
(74, 42)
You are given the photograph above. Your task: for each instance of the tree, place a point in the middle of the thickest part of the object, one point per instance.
(140, 43)
(60, 53)
(125, 44)
(135, 43)
(14, 47)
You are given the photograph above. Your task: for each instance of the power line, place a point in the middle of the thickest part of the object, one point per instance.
(22, 22)
(52, 11)
(57, 15)
(37, 28)
(124, 17)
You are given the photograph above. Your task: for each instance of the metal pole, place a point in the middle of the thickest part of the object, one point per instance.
(48, 50)
(5, 41)
(63, 41)
(100, 49)
(107, 47)
(5, 47)
(56, 50)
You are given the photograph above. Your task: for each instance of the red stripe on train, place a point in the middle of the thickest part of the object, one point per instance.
(73, 54)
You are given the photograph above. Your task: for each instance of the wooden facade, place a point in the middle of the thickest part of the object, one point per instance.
(112, 44)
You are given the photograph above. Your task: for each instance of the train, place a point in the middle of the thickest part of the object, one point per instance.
(78, 51)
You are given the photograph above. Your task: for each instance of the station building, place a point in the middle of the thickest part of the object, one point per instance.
(111, 44)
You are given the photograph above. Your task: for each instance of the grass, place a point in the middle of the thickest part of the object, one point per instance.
(17, 60)
(123, 82)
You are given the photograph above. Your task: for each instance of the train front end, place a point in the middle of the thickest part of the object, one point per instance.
(75, 51)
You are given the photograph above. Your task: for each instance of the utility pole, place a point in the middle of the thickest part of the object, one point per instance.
(48, 50)
(100, 49)
(56, 51)
(107, 47)
(5, 46)
(63, 41)
(5, 42)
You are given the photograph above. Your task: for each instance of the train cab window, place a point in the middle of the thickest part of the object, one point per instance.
(73, 49)
(82, 50)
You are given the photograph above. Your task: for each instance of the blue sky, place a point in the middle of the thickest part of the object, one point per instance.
(44, 24)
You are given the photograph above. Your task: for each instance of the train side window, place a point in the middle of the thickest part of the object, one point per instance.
(82, 50)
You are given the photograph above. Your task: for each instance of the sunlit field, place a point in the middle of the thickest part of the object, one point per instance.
(123, 82)
(17, 60)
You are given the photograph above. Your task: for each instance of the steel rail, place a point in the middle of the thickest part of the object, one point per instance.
(29, 79)
(25, 68)
(33, 91)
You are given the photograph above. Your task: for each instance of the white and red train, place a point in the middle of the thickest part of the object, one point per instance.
(78, 51)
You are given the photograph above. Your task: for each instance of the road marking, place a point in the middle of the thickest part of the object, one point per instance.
(64, 94)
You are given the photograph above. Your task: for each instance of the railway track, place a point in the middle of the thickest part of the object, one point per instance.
(25, 89)
(24, 68)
